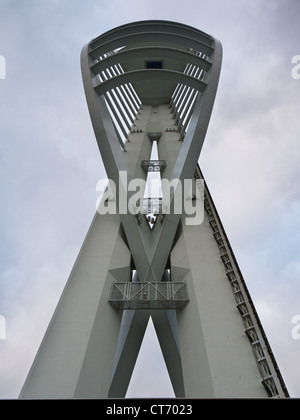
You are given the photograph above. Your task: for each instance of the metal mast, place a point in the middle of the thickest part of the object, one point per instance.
(164, 256)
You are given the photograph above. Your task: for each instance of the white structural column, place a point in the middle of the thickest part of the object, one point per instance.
(146, 83)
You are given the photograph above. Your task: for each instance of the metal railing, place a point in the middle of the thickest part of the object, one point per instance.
(152, 205)
(160, 295)
(153, 165)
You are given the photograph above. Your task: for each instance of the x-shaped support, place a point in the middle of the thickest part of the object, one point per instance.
(150, 251)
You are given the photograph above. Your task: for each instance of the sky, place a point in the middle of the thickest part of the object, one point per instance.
(50, 165)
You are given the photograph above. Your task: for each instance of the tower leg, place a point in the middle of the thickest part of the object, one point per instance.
(76, 357)
(216, 359)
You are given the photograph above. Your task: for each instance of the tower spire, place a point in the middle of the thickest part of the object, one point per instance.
(145, 82)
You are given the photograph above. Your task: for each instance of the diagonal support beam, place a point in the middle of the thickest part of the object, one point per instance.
(165, 324)
(132, 331)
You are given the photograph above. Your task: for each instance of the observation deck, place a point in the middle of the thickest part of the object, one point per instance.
(160, 295)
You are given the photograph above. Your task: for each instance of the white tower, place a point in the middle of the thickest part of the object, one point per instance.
(153, 84)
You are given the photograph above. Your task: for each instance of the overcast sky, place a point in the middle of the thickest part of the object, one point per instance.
(50, 164)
